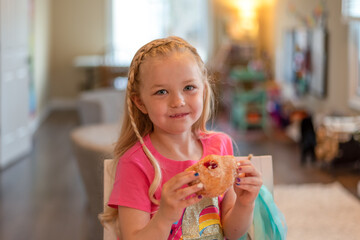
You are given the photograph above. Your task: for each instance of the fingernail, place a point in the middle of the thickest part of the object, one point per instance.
(238, 179)
(196, 174)
(237, 184)
(239, 168)
(200, 185)
(199, 197)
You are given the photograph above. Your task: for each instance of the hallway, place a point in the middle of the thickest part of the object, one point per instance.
(42, 196)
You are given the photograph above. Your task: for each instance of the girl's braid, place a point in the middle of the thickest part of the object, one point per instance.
(131, 88)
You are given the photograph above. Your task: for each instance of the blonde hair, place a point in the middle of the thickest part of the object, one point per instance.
(136, 124)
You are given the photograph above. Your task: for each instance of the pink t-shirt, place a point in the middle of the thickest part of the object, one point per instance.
(135, 173)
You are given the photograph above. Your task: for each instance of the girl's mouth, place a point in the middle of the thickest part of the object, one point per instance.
(179, 115)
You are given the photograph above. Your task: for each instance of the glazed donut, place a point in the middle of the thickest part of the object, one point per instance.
(216, 173)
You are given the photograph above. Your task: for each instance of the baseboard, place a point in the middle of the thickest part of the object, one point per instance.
(39, 119)
(63, 104)
(53, 105)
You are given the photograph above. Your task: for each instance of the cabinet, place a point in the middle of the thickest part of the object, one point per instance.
(15, 134)
(249, 98)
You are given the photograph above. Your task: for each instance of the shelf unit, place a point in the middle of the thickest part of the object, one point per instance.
(249, 98)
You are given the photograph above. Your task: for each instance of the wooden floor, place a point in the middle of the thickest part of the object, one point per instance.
(42, 196)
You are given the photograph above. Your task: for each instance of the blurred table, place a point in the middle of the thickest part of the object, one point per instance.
(99, 71)
(89, 64)
(97, 137)
(342, 127)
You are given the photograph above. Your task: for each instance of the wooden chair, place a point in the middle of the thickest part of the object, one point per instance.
(262, 164)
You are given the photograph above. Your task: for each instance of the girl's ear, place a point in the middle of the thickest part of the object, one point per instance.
(139, 103)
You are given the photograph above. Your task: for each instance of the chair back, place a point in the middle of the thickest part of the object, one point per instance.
(262, 163)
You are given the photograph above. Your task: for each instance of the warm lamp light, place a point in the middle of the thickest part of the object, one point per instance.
(243, 22)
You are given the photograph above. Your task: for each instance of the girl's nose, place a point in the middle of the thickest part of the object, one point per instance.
(177, 101)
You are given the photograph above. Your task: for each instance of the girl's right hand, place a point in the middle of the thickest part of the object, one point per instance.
(175, 197)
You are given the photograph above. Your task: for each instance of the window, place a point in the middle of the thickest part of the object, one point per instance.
(351, 14)
(136, 22)
(351, 9)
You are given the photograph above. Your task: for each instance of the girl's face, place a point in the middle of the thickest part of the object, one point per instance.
(171, 92)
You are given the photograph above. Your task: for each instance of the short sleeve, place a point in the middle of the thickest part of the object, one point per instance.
(130, 187)
(227, 144)
(217, 143)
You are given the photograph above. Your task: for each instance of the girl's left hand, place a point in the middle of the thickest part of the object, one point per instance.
(247, 188)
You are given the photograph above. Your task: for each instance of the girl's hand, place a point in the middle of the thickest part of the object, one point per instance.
(247, 188)
(175, 197)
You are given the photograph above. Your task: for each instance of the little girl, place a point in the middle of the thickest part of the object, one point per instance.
(169, 99)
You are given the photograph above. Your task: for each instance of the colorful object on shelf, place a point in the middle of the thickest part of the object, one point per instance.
(253, 118)
(315, 19)
(249, 109)
(247, 75)
(249, 96)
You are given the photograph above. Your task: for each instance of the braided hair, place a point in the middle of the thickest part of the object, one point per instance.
(136, 124)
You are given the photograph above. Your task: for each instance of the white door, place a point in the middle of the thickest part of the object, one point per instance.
(14, 80)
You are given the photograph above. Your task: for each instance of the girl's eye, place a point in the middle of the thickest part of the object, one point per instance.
(189, 88)
(161, 92)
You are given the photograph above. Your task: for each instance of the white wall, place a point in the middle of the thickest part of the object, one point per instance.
(337, 81)
(41, 45)
(78, 27)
